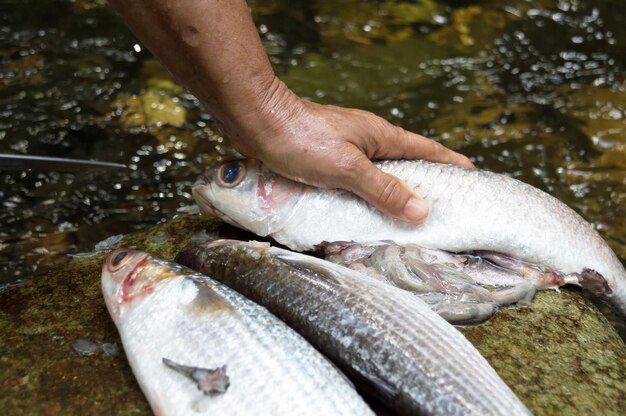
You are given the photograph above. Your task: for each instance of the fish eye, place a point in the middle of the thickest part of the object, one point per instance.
(120, 258)
(231, 174)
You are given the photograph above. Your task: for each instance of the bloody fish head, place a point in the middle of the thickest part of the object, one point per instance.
(127, 275)
(246, 194)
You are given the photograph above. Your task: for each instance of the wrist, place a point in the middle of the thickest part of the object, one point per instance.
(263, 113)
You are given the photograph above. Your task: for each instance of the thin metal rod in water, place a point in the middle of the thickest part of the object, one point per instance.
(45, 163)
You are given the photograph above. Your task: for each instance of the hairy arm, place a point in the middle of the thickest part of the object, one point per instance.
(213, 49)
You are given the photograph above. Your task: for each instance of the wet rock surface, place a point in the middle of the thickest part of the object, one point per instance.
(560, 355)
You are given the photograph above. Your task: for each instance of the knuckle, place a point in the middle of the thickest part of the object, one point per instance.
(437, 150)
(436, 147)
(389, 192)
(406, 137)
(377, 134)
(380, 124)
(348, 168)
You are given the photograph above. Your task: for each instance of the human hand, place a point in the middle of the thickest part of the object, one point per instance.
(332, 147)
(222, 61)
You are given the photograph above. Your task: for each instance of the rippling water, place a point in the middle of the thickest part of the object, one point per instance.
(534, 89)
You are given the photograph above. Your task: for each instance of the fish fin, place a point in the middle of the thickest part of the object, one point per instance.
(594, 282)
(377, 385)
(310, 266)
(186, 370)
(208, 301)
(209, 381)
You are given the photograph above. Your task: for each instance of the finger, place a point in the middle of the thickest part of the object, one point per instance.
(396, 143)
(386, 192)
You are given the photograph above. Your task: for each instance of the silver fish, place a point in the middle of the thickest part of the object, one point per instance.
(198, 347)
(470, 210)
(383, 336)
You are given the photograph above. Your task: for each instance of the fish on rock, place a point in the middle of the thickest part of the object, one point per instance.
(381, 336)
(198, 347)
(488, 215)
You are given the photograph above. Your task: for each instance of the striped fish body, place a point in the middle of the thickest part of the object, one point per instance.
(387, 338)
(470, 210)
(197, 347)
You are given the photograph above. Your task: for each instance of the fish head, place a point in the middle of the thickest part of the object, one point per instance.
(128, 275)
(246, 194)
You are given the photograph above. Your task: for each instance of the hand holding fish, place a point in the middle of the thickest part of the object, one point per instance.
(212, 47)
(331, 147)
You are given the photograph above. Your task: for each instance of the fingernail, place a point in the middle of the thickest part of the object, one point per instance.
(416, 209)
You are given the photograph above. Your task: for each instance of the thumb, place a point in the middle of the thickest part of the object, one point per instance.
(389, 194)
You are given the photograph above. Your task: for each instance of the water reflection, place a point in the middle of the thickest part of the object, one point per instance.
(533, 88)
(65, 85)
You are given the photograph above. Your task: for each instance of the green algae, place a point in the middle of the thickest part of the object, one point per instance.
(370, 22)
(42, 374)
(360, 78)
(471, 29)
(560, 355)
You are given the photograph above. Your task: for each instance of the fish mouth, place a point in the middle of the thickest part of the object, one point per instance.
(114, 288)
(205, 203)
(204, 178)
(127, 282)
(202, 181)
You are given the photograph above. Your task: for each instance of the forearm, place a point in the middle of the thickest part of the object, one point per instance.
(213, 49)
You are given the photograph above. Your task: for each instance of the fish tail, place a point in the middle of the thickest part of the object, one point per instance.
(614, 293)
(619, 301)
(595, 283)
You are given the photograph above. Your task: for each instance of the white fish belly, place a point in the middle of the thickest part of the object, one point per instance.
(469, 210)
(272, 370)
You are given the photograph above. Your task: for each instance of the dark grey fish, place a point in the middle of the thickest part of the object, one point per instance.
(381, 336)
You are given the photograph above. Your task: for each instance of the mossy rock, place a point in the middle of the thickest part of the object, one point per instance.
(373, 22)
(41, 372)
(471, 29)
(559, 355)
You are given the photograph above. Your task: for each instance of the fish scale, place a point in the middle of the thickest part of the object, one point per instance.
(381, 335)
(470, 210)
(195, 321)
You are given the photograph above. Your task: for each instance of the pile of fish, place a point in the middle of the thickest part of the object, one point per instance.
(379, 306)
(385, 339)
(487, 218)
(198, 347)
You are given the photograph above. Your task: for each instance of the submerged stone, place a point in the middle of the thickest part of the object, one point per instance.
(110, 348)
(84, 346)
(559, 355)
(370, 22)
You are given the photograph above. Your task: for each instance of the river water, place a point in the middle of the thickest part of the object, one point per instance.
(535, 89)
